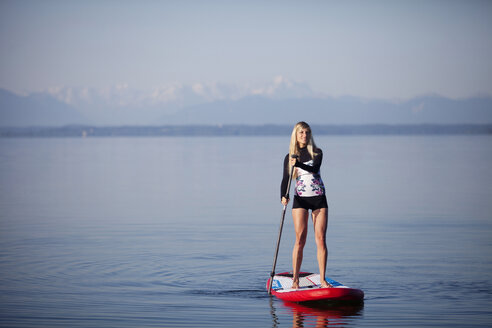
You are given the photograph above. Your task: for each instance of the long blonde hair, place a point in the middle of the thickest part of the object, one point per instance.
(294, 148)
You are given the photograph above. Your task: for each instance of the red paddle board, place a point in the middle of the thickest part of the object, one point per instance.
(310, 289)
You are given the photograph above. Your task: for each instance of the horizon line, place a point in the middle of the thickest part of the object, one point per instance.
(201, 130)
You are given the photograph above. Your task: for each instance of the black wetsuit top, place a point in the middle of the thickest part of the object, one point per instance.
(312, 166)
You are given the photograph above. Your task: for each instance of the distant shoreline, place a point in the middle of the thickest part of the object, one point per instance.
(242, 130)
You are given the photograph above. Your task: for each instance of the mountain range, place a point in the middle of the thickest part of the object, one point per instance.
(282, 102)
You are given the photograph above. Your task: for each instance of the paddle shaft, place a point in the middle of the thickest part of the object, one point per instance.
(272, 274)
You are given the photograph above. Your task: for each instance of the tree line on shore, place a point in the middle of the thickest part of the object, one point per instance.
(242, 130)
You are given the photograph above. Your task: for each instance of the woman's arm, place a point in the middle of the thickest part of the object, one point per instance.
(285, 178)
(318, 158)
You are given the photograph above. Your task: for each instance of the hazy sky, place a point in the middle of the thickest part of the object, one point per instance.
(375, 49)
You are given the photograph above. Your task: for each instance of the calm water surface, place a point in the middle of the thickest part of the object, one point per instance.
(173, 232)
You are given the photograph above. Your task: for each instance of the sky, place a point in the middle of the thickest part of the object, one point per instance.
(370, 49)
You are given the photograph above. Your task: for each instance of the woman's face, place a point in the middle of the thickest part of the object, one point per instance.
(303, 136)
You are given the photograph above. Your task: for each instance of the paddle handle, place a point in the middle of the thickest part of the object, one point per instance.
(272, 273)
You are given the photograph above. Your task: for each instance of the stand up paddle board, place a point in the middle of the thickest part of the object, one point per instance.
(310, 289)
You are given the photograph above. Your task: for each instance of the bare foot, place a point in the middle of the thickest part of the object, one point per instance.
(324, 284)
(295, 284)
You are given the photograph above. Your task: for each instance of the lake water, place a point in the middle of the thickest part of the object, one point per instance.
(180, 232)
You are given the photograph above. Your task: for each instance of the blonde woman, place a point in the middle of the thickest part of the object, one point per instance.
(309, 195)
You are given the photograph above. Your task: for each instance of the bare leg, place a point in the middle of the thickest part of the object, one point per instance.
(300, 217)
(320, 220)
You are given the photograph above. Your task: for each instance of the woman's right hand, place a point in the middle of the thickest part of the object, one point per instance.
(293, 161)
(285, 201)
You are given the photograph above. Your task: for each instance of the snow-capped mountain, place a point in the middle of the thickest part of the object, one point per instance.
(279, 102)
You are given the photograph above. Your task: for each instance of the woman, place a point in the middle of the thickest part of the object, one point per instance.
(309, 195)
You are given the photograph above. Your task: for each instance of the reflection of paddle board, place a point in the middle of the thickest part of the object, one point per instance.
(310, 289)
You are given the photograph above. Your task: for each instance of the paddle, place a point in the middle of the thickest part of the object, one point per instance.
(280, 230)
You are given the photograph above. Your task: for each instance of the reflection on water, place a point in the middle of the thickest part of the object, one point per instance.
(317, 315)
